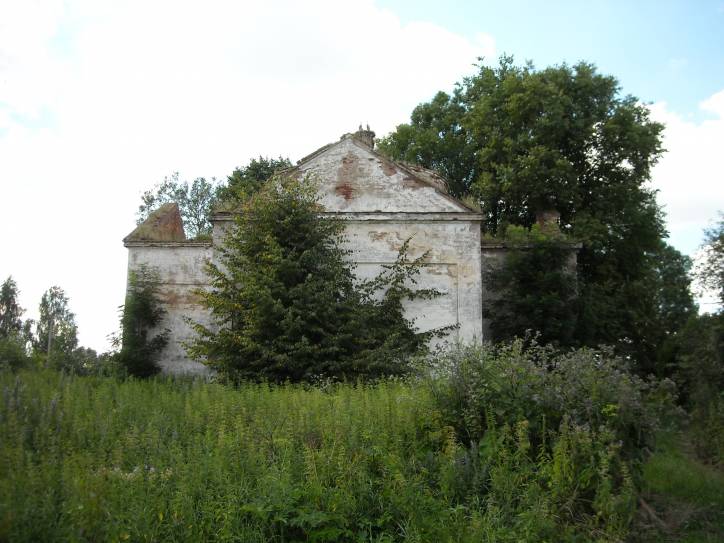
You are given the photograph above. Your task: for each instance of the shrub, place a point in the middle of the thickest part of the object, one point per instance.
(555, 438)
(79, 361)
(707, 430)
(12, 353)
(485, 386)
(699, 358)
(697, 354)
(141, 340)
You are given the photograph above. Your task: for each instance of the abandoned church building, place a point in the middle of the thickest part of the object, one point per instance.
(383, 203)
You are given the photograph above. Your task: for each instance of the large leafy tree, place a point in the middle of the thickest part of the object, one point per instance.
(521, 141)
(285, 302)
(249, 179)
(672, 286)
(535, 288)
(710, 270)
(56, 331)
(10, 311)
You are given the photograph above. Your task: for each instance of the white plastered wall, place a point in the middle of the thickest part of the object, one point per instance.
(180, 266)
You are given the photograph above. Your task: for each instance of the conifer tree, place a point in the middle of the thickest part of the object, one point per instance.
(56, 331)
(285, 302)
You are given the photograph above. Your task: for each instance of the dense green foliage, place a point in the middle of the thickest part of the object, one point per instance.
(531, 140)
(479, 387)
(10, 311)
(695, 354)
(12, 338)
(59, 351)
(699, 355)
(535, 288)
(697, 364)
(141, 341)
(707, 431)
(671, 284)
(710, 272)
(285, 302)
(95, 459)
(685, 495)
(248, 179)
(12, 353)
(521, 141)
(195, 202)
(56, 333)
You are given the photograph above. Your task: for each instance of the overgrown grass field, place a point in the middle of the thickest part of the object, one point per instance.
(97, 459)
(501, 444)
(93, 459)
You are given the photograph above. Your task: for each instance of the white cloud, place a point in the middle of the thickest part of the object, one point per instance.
(690, 176)
(715, 104)
(100, 99)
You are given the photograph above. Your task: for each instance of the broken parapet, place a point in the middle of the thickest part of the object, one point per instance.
(164, 224)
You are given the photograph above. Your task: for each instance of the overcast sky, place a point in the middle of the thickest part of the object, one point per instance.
(99, 100)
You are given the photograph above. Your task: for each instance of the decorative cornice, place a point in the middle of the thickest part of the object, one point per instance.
(386, 216)
(168, 244)
(506, 245)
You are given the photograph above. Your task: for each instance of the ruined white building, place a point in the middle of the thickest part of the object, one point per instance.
(384, 204)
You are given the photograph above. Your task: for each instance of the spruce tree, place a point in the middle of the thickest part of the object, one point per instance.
(285, 302)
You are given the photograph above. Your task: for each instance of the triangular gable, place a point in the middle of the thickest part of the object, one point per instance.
(354, 178)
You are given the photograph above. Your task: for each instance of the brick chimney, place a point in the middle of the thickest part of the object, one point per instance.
(548, 219)
(365, 136)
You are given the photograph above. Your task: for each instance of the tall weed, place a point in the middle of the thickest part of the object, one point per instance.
(91, 458)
